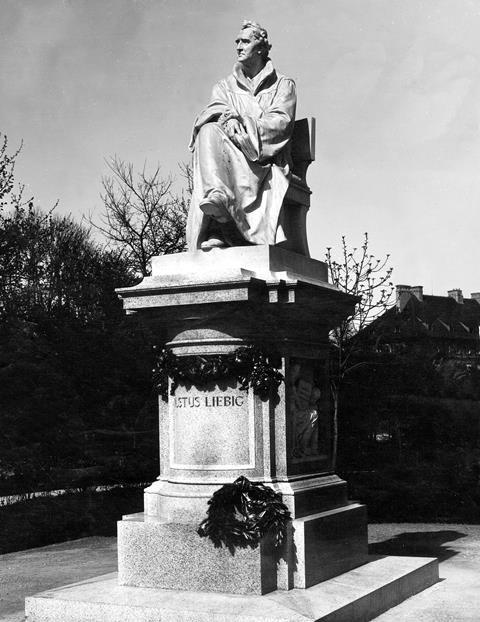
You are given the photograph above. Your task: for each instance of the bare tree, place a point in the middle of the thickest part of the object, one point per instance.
(359, 274)
(143, 217)
(186, 171)
(7, 165)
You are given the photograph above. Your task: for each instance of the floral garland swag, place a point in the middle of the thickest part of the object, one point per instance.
(248, 364)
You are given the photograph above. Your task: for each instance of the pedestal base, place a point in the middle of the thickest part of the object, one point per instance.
(356, 596)
(157, 554)
(329, 543)
(167, 555)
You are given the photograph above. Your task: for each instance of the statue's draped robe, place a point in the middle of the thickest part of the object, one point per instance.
(256, 177)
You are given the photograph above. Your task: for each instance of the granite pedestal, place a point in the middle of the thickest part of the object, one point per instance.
(210, 303)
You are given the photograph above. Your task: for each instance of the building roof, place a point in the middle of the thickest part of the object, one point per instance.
(415, 317)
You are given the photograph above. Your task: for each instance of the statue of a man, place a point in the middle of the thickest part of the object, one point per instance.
(241, 162)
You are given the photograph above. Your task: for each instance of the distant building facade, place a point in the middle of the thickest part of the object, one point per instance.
(448, 325)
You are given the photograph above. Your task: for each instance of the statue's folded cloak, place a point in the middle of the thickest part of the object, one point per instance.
(254, 178)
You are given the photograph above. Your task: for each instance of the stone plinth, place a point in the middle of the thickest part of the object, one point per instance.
(155, 553)
(152, 553)
(329, 543)
(356, 596)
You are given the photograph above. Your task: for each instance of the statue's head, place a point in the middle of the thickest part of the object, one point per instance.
(252, 42)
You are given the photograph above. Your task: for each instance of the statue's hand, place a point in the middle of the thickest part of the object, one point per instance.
(236, 132)
(226, 116)
(233, 127)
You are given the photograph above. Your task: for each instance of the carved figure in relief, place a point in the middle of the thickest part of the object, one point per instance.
(305, 412)
(240, 141)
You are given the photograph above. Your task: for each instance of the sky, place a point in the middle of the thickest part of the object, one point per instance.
(394, 86)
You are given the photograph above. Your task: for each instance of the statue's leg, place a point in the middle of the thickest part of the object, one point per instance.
(215, 193)
(213, 149)
(223, 184)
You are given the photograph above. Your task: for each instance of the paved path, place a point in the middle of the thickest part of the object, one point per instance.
(35, 570)
(455, 599)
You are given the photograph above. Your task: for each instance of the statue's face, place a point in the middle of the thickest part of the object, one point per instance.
(248, 47)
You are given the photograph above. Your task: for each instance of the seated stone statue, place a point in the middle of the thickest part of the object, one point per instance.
(241, 162)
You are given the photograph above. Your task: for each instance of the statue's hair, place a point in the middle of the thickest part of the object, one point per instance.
(259, 33)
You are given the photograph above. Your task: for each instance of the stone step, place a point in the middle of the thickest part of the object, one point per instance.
(355, 596)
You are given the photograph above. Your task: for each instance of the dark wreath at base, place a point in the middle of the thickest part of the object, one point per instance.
(242, 513)
(248, 364)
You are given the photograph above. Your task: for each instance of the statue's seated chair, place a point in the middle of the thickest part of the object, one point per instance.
(297, 198)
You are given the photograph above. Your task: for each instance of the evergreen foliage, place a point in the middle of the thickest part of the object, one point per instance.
(409, 447)
(75, 402)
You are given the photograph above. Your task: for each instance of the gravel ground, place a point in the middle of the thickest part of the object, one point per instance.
(456, 598)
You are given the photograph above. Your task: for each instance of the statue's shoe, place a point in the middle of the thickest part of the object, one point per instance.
(215, 206)
(212, 243)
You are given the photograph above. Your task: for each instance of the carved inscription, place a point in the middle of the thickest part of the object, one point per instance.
(209, 401)
(211, 429)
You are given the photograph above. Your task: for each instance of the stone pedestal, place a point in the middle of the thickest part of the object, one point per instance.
(153, 553)
(210, 303)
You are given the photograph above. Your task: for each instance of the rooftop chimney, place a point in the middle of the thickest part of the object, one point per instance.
(417, 291)
(457, 295)
(475, 296)
(403, 295)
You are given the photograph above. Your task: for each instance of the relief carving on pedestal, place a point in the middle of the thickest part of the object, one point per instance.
(306, 411)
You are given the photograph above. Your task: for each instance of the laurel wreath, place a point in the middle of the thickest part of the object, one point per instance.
(242, 513)
(248, 364)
